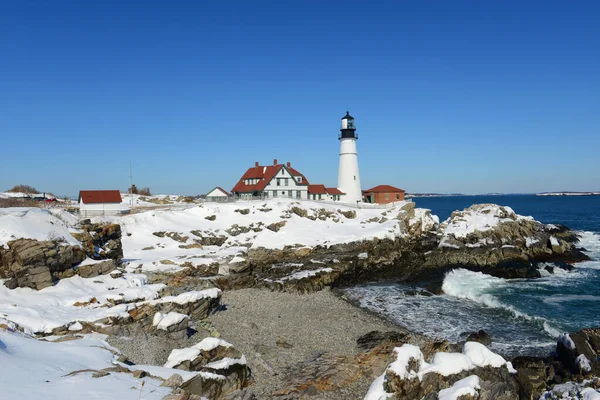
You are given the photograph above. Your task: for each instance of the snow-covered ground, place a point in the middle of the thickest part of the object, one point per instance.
(35, 369)
(144, 248)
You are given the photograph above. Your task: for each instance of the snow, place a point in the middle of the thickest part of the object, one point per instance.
(473, 355)
(554, 241)
(302, 275)
(377, 391)
(478, 218)
(178, 356)
(41, 370)
(34, 223)
(530, 241)
(572, 391)
(191, 297)
(363, 256)
(237, 259)
(76, 326)
(463, 387)
(566, 340)
(403, 355)
(210, 343)
(583, 363)
(226, 362)
(138, 229)
(164, 321)
(51, 307)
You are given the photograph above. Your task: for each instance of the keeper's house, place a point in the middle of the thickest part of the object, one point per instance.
(100, 202)
(281, 180)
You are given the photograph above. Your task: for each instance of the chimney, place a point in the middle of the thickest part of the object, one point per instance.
(289, 164)
(256, 164)
(275, 162)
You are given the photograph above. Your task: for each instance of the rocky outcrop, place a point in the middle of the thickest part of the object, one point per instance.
(34, 264)
(476, 373)
(222, 368)
(488, 235)
(579, 352)
(39, 264)
(141, 318)
(101, 241)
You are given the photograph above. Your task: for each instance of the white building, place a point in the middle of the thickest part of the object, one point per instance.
(218, 194)
(100, 202)
(348, 176)
(279, 180)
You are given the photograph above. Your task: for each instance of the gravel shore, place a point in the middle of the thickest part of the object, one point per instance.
(276, 331)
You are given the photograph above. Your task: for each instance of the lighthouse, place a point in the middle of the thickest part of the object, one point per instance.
(348, 177)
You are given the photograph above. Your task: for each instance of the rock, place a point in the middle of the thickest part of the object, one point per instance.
(276, 226)
(244, 211)
(94, 269)
(138, 373)
(480, 337)
(579, 352)
(100, 374)
(211, 217)
(245, 394)
(174, 381)
(376, 338)
(531, 375)
(226, 366)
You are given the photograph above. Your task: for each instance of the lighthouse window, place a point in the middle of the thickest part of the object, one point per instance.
(278, 182)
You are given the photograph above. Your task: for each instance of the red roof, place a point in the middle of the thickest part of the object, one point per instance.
(265, 174)
(334, 191)
(100, 196)
(384, 189)
(317, 189)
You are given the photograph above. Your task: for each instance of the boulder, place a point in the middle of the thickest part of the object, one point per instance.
(481, 337)
(222, 368)
(94, 269)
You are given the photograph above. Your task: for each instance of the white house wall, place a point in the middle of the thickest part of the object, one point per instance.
(101, 209)
(292, 185)
(216, 193)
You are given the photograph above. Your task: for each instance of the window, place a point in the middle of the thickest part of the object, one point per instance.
(282, 171)
(286, 181)
(283, 192)
(387, 196)
(278, 182)
(397, 196)
(354, 177)
(320, 197)
(298, 194)
(274, 193)
(299, 179)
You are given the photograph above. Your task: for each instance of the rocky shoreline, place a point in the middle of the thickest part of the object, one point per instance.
(264, 322)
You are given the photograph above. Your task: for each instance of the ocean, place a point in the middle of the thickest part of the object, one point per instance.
(523, 316)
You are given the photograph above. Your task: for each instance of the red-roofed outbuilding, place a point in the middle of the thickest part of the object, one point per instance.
(383, 194)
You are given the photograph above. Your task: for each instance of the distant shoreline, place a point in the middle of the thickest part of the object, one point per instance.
(569, 194)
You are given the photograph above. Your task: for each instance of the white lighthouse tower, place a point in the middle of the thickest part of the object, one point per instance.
(348, 177)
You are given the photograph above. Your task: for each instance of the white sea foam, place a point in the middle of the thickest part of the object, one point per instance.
(474, 286)
(557, 299)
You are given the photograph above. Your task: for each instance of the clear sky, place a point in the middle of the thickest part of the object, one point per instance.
(448, 96)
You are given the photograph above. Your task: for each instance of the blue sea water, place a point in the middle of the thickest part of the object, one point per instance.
(522, 316)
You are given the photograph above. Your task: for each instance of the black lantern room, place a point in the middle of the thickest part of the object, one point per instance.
(348, 128)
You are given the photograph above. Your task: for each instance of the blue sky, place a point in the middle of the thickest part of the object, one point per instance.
(448, 96)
